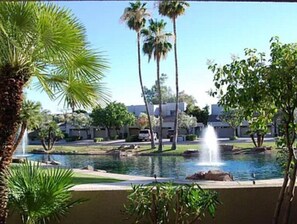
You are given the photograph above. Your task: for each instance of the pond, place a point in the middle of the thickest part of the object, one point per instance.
(178, 167)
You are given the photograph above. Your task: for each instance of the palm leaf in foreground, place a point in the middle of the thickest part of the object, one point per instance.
(40, 195)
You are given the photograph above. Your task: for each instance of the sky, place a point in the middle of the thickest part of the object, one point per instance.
(207, 31)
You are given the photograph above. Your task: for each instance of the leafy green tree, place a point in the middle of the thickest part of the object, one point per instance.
(40, 195)
(188, 99)
(152, 94)
(281, 79)
(63, 118)
(46, 42)
(114, 115)
(234, 118)
(200, 114)
(143, 122)
(167, 93)
(186, 122)
(241, 85)
(258, 127)
(156, 43)
(81, 121)
(135, 17)
(265, 87)
(173, 9)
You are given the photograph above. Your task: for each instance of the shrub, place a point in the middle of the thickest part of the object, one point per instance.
(115, 137)
(73, 138)
(132, 138)
(165, 203)
(232, 138)
(191, 137)
(39, 195)
(98, 139)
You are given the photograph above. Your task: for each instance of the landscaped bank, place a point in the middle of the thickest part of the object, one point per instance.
(241, 203)
(135, 149)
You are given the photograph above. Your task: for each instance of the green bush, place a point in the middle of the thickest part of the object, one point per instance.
(232, 138)
(115, 137)
(39, 195)
(191, 137)
(132, 138)
(98, 139)
(73, 138)
(166, 203)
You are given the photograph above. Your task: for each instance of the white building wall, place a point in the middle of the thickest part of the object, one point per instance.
(168, 109)
(137, 109)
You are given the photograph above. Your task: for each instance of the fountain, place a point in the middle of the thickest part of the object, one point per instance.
(20, 151)
(210, 152)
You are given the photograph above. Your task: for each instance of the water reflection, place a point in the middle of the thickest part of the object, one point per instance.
(240, 166)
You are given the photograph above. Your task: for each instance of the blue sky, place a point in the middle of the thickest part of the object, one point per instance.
(208, 30)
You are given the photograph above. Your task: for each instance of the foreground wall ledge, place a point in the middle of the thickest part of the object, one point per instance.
(126, 185)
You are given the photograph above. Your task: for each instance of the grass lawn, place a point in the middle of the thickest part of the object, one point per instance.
(79, 178)
(78, 148)
(251, 145)
(143, 149)
(167, 149)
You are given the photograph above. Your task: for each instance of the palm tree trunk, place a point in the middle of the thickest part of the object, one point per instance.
(142, 90)
(160, 148)
(175, 127)
(11, 97)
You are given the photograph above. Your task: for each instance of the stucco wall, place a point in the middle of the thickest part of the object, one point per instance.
(239, 206)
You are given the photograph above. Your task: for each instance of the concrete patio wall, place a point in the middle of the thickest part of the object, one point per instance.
(239, 206)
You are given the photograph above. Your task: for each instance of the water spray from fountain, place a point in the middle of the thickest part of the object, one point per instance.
(21, 148)
(210, 152)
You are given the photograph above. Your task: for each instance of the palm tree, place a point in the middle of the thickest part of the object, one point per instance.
(135, 16)
(41, 41)
(156, 44)
(75, 91)
(40, 195)
(173, 9)
(30, 116)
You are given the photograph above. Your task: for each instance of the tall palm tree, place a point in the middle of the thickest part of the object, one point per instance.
(173, 9)
(135, 17)
(42, 41)
(75, 91)
(156, 44)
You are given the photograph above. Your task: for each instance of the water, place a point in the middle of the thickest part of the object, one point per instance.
(177, 167)
(21, 148)
(210, 152)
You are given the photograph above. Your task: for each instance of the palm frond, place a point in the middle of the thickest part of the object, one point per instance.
(39, 194)
(49, 42)
(156, 41)
(135, 15)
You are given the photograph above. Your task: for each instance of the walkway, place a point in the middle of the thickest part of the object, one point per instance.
(119, 142)
(130, 179)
